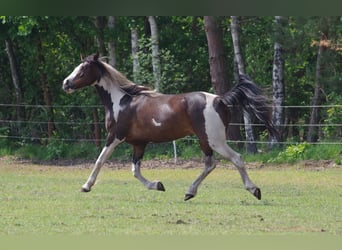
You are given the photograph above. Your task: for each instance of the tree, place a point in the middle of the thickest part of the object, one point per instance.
(100, 23)
(155, 52)
(135, 57)
(15, 78)
(37, 52)
(111, 43)
(251, 146)
(316, 100)
(326, 47)
(278, 78)
(219, 69)
(217, 58)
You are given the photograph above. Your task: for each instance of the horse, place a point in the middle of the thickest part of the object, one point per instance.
(138, 115)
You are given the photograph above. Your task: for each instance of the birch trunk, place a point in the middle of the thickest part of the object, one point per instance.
(135, 57)
(278, 81)
(155, 52)
(235, 26)
(111, 42)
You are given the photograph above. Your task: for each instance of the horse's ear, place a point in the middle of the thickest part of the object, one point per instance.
(96, 56)
(81, 56)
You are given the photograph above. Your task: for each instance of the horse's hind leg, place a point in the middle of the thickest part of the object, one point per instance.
(223, 149)
(138, 152)
(209, 166)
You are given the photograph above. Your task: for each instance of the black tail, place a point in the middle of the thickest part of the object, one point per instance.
(248, 95)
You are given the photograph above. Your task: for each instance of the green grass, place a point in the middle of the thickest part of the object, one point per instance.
(45, 200)
(186, 149)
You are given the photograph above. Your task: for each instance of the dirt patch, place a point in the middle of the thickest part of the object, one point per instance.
(318, 165)
(315, 165)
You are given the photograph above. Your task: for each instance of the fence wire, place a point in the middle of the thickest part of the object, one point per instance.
(101, 123)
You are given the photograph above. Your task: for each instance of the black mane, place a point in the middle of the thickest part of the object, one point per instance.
(136, 90)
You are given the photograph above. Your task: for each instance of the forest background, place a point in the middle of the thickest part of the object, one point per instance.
(296, 60)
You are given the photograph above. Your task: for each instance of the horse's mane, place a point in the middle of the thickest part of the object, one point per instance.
(122, 82)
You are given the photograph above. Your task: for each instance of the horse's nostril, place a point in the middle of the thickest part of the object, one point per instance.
(66, 84)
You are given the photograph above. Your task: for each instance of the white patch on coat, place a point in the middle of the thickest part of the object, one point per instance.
(155, 123)
(115, 93)
(214, 127)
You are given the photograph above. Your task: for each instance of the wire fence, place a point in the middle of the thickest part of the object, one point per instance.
(86, 123)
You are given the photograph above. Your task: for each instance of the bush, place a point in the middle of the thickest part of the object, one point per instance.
(292, 153)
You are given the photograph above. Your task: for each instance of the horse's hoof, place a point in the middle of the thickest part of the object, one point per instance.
(188, 197)
(257, 193)
(160, 186)
(85, 190)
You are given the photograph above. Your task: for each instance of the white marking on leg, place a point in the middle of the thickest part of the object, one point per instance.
(148, 184)
(105, 153)
(155, 123)
(215, 130)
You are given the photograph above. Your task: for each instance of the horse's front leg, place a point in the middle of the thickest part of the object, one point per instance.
(138, 152)
(105, 153)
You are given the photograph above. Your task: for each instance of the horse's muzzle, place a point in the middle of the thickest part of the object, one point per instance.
(68, 86)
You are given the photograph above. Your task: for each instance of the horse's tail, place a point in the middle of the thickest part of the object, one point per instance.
(248, 95)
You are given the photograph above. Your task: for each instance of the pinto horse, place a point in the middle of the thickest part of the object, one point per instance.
(137, 115)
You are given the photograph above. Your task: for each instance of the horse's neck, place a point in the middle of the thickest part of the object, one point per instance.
(110, 95)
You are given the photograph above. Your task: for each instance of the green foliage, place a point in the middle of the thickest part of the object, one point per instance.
(334, 116)
(47, 48)
(304, 151)
(292, 153)
(188, 148)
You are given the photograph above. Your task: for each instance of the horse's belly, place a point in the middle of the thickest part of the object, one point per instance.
(158, 134)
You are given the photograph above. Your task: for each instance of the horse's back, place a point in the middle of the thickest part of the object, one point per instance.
(159, 118)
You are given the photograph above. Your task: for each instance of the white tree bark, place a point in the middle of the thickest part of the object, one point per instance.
(251, 146)
(235, 26)
(111, 43)
(155, 52)
(278, 81)
(135, 57)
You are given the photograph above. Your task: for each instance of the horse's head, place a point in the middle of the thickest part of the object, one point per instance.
(89, 72)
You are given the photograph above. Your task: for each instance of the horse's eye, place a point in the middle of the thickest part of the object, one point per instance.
(81, 74)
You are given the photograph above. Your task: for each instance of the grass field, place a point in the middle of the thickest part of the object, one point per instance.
(45, 200)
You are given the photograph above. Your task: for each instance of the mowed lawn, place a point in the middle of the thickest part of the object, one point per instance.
(45, 200)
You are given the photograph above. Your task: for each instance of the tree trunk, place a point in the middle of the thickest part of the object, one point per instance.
(16, 81)
(218, 69)
(235, 30)
(217, 57)
(278, 81)
(111, 43)
(135, 49)
(316, 101)
(235, 26)
(100, 24)
(155, 52)
(45, 87)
